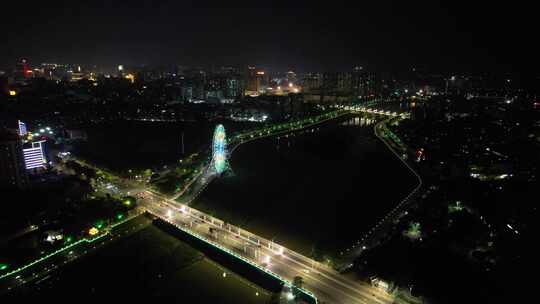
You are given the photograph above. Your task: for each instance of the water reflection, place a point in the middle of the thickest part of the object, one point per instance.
(288, 140)
(361, 121)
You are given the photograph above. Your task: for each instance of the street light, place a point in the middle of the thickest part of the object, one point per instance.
(271, 244)
(93, 231)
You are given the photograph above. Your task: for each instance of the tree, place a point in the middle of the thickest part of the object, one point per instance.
(147, 173)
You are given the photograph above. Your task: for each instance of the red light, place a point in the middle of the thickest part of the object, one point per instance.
(26, 70)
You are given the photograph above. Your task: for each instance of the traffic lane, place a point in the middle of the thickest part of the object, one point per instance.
(298, 258)
(323, 288)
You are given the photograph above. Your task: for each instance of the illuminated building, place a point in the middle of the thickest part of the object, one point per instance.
(233, 87)
(255, 81)
(291, 77)
(311, 82)
(22, 128)
(75, 76)
(34, 156)
(12, 168)
(358, 85)
(130, 77)
(227, 85)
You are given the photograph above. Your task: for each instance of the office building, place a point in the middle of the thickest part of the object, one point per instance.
(22, 128)
(255, 81)
(34, 157)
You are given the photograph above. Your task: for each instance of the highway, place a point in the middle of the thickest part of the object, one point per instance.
(326, 284)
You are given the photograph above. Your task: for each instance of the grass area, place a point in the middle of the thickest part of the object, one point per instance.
(147, 264)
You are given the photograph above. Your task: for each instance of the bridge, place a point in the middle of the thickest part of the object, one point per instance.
(363, 109)
(321, 282)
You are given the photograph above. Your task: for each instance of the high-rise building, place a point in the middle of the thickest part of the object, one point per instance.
(255, 81)
(353, 86)
(363, 86)
(33, 156)
(233, 87)
(12, 168)
(311, 82)
(226, 85)
(194, 84)
(22, 128)
(291, 77)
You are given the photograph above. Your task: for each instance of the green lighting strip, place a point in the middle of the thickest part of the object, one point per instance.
(50, 255)
(300, 125)
(275, 275)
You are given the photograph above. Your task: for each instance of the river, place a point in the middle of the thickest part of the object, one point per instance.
(316, 191)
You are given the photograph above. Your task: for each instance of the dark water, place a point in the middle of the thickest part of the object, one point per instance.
(319, 190)
(124, 145)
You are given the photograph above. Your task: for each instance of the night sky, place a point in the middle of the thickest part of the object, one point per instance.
(451, 36)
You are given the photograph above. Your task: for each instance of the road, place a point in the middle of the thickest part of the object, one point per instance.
(326, 284)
